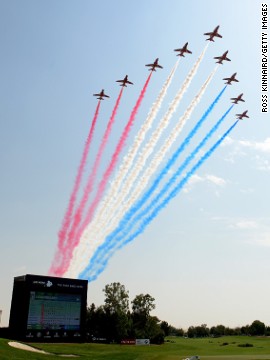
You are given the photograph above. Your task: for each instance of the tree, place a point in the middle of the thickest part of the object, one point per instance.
(153, 331)
(257, 328)
(116, 298)
(141, 307)
(96, 322)
(191, 333)
(165, 327)
(173, 331)
(245, 330)
(144, 325)
(117, 311)
(267, 331)
(143, 304)
(202, 331)
(218, 330)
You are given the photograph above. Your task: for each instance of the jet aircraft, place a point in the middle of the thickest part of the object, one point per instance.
(222, 58)
(154, 65)
(183, 50)
(125, 81)
(101, 95)
(213, 34)
(241, 116)
(238, 98)
(230, 79)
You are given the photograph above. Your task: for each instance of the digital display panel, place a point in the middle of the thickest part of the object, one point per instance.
(54, 311)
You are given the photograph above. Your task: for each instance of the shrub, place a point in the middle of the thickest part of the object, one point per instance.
(245, 345)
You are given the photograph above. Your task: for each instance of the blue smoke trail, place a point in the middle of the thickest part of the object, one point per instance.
(113, 239)
(124, 222)
(154, 213)
(180, 170)
(170, 163)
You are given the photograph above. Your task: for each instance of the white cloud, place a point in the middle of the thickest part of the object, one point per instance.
(240, 223)
(192, 181)
(245, 224)
(195, 179)
(216, 180)
(227, 141)
(260, 151)
(263, 146)
(262, 163)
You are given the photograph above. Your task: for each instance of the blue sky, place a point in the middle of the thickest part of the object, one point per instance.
(205, 259)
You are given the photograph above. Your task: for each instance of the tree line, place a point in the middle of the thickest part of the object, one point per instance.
(257, 328)
(114, 321)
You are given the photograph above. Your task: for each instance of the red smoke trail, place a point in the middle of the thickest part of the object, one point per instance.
(92, 176)
(67, 218)
(102, 185)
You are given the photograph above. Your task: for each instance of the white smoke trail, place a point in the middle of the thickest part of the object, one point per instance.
(151, 144)
(111, 197)
(116, 206)
(137, 167)
(152, 167)
(124, 169)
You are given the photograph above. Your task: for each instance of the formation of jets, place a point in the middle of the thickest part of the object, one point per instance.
(182, 51)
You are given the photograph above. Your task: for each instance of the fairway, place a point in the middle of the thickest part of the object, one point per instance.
(224, 348)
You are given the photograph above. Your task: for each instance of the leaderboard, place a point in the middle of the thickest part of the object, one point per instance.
(54, 311)
(46, 308)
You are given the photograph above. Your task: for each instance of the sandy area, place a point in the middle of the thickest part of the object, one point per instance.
(26, 347)
(21, 346)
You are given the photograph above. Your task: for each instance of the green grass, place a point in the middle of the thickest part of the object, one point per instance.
(173, 349)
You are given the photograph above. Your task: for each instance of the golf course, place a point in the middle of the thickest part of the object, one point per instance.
(174, 348)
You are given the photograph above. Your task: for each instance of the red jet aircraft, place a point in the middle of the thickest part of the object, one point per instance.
(183, 50)
(101, 95)
(222, 58)
(125, 81)
(213, 34)
(154, 65)
(241, 116)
